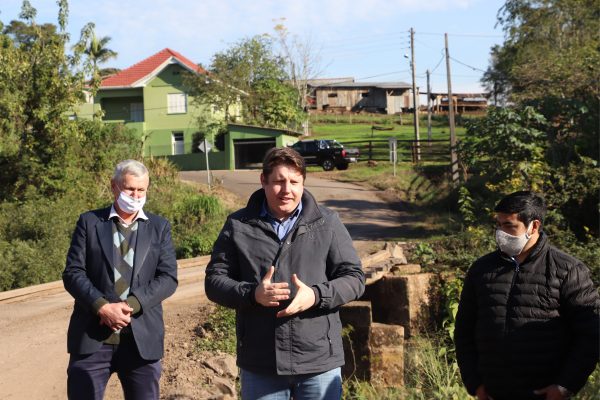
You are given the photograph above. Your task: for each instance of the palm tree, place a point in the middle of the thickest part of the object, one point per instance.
(97, 51)
(93, 47)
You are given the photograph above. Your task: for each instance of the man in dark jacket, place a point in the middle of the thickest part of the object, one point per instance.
(527, 324)
(120, 267)
(286, 264)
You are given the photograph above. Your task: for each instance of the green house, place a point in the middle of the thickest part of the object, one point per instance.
(149, 97)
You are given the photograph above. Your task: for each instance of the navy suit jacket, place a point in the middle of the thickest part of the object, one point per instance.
(89, 276)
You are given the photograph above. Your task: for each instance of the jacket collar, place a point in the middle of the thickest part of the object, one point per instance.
(538, 247)
(310, 210)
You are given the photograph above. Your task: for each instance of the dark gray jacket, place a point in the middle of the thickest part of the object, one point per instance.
(319, 250)
(89, 276)
(524, 327)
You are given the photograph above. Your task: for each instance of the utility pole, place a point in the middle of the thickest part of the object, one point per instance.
(428, 108)
(415, 97)
(453, 155)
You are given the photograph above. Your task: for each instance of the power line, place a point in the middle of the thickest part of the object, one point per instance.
(424, 44)
(476, 35)
(365, 39)
(467, 65)
(365, 50)
(439, 62)
(458, 75)
(353, 80)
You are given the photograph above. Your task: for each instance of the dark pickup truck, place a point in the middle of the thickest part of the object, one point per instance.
(326, 152)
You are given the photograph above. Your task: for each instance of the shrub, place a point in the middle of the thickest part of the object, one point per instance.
(35, 236)
(218, 332)
(35, 233)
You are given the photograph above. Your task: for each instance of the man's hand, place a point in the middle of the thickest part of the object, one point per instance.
(270, 294)
(553, 392)
(115, 315)
(481, 394)
(305, 299)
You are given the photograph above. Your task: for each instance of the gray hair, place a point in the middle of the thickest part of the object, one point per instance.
(128, 167)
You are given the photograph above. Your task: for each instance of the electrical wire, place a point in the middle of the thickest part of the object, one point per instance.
(439, 62)
(467, 65)
(476, 35)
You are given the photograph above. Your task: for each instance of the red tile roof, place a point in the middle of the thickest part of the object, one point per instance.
(129, 76)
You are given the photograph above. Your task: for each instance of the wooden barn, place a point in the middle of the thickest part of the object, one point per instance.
(374, 97)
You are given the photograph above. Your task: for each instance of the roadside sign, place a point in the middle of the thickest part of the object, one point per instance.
(393, 152)
(205, 146)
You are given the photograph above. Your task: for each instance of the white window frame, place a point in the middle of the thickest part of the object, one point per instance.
(176, 103)
(177, 144)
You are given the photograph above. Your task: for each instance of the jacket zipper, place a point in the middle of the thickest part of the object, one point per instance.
(328, 335)
(508, 302)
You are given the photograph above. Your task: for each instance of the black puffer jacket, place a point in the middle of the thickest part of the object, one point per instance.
(524, 327)
(319, 250)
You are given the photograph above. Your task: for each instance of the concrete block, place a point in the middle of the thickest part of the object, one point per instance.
(385, 335)
(356, 320)
(357, 314)
(404, 300)
(387, 355)
(356, 353)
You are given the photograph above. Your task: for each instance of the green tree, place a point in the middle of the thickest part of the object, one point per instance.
(23, 34)
(507, 149)
(550, 60)
(248, 74)
(53, 168)
(94, 48)
(37, 91)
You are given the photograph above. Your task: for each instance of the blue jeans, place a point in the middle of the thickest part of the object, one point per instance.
(320, 386)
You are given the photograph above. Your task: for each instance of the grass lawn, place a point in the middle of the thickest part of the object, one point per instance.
(349, 132)
(346, 128)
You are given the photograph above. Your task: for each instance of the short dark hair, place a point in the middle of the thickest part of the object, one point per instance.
(283, 156)
(527, 205)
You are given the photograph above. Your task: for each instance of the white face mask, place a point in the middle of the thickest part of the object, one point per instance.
(129, 204)
(512, 245)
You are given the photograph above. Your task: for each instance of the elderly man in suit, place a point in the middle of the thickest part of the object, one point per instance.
(120, 267)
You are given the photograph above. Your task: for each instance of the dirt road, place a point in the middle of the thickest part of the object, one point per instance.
(33, 353)
(33, 356)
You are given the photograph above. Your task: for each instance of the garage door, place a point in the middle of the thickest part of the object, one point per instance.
(249, 153)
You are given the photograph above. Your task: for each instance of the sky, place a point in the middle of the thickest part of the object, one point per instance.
(368, 40)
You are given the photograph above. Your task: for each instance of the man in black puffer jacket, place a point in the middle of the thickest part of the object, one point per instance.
(528, 320)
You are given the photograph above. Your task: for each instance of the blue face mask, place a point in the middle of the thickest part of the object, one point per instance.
(130, 205)
(512, 245)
